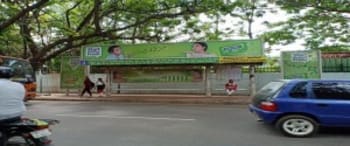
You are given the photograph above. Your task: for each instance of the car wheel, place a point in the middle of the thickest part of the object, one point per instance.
(297, 126)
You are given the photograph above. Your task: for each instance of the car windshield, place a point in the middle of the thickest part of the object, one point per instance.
(22, 69)
(269, 90)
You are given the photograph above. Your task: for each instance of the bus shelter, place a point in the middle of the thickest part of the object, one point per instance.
(184, 64)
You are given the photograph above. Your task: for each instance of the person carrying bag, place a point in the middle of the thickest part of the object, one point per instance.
(88, 85)
(100, 86)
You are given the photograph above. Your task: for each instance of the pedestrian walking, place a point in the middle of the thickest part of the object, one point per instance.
(88, 85)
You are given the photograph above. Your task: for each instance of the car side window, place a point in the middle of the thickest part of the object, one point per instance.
(299, 90)
(331, 90)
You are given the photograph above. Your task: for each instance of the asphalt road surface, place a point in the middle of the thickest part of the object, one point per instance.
(119, 124)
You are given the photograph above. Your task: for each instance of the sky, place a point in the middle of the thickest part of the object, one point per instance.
(259, 28)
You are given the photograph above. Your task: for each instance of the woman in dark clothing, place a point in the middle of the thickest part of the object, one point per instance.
(88, 85)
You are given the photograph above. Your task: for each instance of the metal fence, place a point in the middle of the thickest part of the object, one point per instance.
(262, 69)
(336, 65)
(328, 65)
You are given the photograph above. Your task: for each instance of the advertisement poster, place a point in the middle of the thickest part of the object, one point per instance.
(227, 72)
(174, 53)
(156, 75)
(301, 65)
(72, 73)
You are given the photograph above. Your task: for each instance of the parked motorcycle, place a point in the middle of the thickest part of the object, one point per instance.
(27, 132)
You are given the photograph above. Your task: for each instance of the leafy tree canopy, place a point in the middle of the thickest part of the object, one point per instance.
(320, 23)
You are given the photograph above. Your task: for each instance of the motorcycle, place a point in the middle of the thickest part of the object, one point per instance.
(27, 132)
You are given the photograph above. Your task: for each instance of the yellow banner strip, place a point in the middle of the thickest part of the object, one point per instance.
(242, 59)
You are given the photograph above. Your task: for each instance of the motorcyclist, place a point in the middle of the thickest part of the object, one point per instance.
(11, 97)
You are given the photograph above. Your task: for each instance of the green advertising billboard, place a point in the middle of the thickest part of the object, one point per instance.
(72, 73)
(174, 53)
(301, 65)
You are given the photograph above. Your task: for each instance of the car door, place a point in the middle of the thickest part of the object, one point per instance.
(331, 102)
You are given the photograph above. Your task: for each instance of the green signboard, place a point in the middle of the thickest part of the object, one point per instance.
(72, 73)
(301, 65)
(174, 53)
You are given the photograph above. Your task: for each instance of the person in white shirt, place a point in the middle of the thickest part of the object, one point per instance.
(100, 86)
(11, 97)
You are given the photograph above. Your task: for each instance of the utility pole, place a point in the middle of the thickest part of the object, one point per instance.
(250, 16)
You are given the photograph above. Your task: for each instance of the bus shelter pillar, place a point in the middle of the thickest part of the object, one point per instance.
(109, 82)
(252, 82)
(207, 81)
(87, 70)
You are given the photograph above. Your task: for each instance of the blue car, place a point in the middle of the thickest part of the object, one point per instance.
(299, 107)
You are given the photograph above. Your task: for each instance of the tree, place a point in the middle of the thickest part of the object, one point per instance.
(12, 12)
(49, 28)
(235, 19)
(247, 10)
(320, 23)
(16, 10)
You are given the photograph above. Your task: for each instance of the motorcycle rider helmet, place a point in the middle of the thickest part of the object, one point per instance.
(6, 72)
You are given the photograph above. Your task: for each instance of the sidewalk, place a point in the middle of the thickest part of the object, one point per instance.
(151, 98)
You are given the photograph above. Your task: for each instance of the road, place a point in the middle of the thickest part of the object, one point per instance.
(122, 124)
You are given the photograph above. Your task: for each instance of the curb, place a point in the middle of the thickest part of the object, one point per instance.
(151, 99)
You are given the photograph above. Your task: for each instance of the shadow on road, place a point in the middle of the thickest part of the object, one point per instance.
(323, 132)
(339, 131)
(27, 104)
